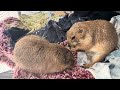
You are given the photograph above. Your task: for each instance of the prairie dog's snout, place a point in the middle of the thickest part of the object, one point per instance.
(96, 36)
(37, 55)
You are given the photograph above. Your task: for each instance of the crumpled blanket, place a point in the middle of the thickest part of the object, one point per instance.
(6, 56)
(109, 69)
(116, 22)
(8, 28)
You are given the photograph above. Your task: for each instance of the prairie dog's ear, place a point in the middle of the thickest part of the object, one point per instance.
(80, 31)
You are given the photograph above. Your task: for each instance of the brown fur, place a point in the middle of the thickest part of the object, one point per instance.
(37, 55)
(97, 38)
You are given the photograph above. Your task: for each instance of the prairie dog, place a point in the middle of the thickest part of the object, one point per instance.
(35, 54)
(96, 37)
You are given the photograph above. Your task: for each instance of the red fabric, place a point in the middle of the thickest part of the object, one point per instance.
(75, 73)
(6, 48)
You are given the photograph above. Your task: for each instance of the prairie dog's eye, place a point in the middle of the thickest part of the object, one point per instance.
(80, 31)
(73, 38)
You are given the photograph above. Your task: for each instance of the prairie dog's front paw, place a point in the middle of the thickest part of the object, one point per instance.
(87, 65)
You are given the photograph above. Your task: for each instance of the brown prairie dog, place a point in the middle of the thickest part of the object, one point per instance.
(37, 55)
(97, 38)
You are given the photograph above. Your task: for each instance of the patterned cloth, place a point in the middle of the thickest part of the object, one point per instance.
(6, 47)
(75, 73)
(6, 41)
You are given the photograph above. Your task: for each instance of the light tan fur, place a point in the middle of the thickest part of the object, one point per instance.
(96, 37)
(37, 55)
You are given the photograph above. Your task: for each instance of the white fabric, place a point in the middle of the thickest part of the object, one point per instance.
(6, 14)
(28, 12)
(103, 70)
(4, 67)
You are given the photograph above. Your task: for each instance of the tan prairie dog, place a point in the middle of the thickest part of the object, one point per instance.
(96, 37)
(37, 55)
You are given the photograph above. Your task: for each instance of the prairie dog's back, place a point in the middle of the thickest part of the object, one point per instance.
(34, 54)
(26, 48)
(101, 29)
(31, 40)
